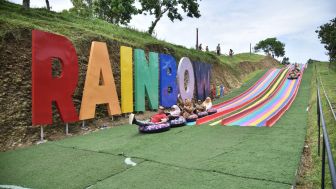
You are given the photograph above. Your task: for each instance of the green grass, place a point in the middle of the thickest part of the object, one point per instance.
(252, 75)
(242, 57)
(52, 166)
(186, 157)
(249, 80)
(14, 17)
(312, 176)
(77, 29)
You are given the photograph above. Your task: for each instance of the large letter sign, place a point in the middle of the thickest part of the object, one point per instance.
(186, 66)
(126, 74)
(99, 68)
(100, 87)
(45, 88)
(168, 88)
(202, 74)
(146, 79)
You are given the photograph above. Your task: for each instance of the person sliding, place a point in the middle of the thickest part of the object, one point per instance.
(160, 117)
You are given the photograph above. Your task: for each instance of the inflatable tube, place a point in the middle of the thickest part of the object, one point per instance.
(155, 128)
(192, 118)
(173, 117)
(202, 114)
(211, 111)
(181, 121)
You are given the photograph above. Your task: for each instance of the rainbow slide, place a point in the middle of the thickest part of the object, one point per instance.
(259, 89)
(266, 111)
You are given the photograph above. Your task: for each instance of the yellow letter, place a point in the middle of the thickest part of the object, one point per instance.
(126, 70)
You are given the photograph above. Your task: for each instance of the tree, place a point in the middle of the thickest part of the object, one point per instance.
(82, 8)
(271, 46)
(285, 61)
(327, 35)
(26, 4)
(48, 5)
(159, 7)
(115, 11)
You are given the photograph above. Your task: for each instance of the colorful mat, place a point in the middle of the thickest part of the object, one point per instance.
(252, 94)
(267, 112)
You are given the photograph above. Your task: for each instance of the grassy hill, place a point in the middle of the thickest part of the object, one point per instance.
(15, 49)
(241, 57)
(310, 170)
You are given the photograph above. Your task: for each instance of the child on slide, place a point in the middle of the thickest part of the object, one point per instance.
(188, 108)
(207, 103)
(200, 107)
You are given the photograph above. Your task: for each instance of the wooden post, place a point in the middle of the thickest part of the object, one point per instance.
(250, 49)
(196, 38)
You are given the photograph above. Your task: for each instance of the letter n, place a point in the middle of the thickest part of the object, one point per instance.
(146, 79)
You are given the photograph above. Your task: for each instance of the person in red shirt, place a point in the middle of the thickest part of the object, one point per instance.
(160, 117)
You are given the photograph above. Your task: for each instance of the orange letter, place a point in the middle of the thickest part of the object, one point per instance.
(95, 92)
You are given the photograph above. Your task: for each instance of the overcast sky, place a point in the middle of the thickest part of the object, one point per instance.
(235, 24)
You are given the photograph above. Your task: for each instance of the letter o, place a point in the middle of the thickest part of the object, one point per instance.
(186, 65)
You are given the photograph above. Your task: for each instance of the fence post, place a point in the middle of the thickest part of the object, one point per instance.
(323, 165)
(318, 119)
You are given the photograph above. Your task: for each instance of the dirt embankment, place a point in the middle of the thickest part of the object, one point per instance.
(15, 81)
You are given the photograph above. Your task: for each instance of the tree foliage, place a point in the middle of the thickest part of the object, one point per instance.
(82, 8)
(121, 11)
(285, 61)
(172, 7)
(115, 11)
(327, 35)
(271, 46)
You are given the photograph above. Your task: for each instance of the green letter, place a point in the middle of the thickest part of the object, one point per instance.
(146, 79)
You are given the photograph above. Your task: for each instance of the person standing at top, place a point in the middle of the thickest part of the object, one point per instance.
(207, 48)
(231, 52)
(218, 49)
(200, 47)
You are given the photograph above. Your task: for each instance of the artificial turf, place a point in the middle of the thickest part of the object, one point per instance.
(186, 157)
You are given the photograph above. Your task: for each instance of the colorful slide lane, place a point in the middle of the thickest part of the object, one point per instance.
(269, 111)
(258, 102)
(216, 106)
(256, 91)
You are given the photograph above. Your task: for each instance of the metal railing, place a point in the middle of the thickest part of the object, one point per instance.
(325, 94)
(326, 143)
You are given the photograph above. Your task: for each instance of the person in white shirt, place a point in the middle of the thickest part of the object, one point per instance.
(176, 111)
(207, 103)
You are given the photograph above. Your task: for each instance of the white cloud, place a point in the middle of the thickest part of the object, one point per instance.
(235, 24)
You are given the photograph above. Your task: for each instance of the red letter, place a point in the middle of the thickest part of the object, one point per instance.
(45, 88)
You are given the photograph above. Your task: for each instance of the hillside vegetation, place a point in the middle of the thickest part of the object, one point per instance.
(15, 49)
(310, 170)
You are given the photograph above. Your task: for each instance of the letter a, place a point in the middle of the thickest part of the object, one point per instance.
(99, 69)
